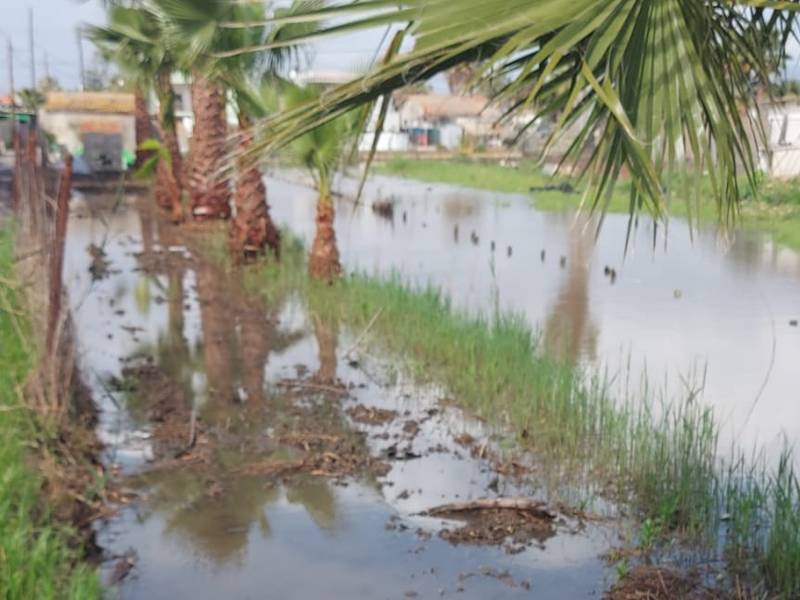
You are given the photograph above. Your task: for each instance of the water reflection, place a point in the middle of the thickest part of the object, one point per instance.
(569, 331)
(672, 310)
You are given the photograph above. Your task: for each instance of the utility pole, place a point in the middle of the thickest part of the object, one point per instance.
(46, 67)
(31, 48)
(80, 58)
(11, 92)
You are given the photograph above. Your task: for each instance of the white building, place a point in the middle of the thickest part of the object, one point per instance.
(781, 119)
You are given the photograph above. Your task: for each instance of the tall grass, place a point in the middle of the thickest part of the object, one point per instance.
(660, 458)
(38, 557)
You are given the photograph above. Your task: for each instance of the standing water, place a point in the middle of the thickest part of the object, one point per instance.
(683, 312)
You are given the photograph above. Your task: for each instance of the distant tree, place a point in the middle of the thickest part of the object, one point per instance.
(32, 100)
(49, 84)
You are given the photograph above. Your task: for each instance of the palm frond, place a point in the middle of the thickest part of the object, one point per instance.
(656, 85)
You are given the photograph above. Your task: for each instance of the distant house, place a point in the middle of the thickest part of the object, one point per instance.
(439, 120)
(781, 155)
(9, 108)
(95, 126)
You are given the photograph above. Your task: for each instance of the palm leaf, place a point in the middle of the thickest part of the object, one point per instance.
(659, 85)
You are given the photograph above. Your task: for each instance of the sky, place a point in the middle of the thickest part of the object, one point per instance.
(56, 23)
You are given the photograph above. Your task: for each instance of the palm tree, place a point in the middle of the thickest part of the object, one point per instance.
(136, 41)
(658, 84)
(194, 34)
(32, 100)
(320, 151)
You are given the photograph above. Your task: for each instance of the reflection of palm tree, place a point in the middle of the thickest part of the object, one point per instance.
(327, 334)
(218, 525)
(316, 497)
(217, 329)
(569, 331)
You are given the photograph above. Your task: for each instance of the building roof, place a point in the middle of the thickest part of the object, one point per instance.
(324, 77)
(94, 102)
(436, 106)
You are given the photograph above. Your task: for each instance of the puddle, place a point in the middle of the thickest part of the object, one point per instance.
(268, 465)
(670, 311)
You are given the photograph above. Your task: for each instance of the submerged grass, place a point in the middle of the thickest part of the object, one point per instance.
(38, 557)
(662, 459)
(776, 210)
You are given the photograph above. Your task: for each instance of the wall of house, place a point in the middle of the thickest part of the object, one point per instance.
(68, 127)
(781, 157)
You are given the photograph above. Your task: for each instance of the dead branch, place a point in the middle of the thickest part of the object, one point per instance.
(313, 386)
(536, 507)
(364, 333)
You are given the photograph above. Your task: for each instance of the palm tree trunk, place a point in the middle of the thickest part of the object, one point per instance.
(168, 178)
(144, 131)
(324, 260)
(252, 229)
(208, 192)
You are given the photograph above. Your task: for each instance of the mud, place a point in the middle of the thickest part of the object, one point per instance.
(512, 529)
(661, 583)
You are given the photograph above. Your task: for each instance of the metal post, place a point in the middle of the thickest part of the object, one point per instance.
(57, 253)
(31, 48)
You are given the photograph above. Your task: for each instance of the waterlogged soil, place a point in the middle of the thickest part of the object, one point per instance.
(692, 311)
(261, 462)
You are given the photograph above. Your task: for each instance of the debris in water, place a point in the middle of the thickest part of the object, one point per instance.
(512, 522)
(563, 261)
(543, 255)
(474, 237)
(677, 294)
(371, 416)
(658, 583)
(384, 208)
(564, 188)
(509, 251)
(394, 453)
(124, 566)
(793, 323)
(99, 267)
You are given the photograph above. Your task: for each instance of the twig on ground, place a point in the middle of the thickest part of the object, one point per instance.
(363, 334)
(313, 386)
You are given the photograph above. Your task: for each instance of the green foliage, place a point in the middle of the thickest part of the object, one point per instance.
(649, 83)
(159, 152)
(32, 100)
(37, 557)
(660, 458)
(322, 149)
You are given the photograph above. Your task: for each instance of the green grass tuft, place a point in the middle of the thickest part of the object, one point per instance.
(38, 558)
(659, 458)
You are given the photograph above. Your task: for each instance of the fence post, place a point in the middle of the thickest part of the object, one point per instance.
(57, 252)
(16, 180)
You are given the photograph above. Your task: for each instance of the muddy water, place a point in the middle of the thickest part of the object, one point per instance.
(679, 312)
(228, 377)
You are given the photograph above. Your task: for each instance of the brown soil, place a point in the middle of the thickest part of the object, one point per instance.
(371, 416)
(512, 529)
(163, 404)
(659, 583)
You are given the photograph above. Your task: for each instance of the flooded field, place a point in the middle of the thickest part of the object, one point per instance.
(684, 310)
(264, 460)
(265, 454)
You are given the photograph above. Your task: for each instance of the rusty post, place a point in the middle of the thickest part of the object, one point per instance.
(16, 181)
(57, 252)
